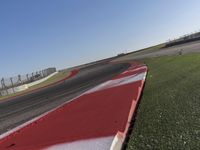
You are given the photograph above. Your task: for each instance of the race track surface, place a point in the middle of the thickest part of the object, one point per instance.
(192, 47)
(19, 110)
(97, 119)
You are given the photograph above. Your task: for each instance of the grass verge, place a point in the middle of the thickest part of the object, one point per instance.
(57, 77)
(168, 116)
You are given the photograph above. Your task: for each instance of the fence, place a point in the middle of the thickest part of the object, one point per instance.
(184, 39)
(7, 85)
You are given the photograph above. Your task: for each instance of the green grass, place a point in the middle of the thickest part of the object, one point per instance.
(168, 116)
(53, 79)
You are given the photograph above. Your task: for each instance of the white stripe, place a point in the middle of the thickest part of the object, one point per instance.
(117, 142)
(118, 82)
(6, 134)
(103, 143)
(133, 70)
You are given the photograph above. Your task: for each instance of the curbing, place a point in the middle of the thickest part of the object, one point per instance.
(120, 137)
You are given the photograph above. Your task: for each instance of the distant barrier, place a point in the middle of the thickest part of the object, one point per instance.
(182, 42)
(15, 84)
(185, 39)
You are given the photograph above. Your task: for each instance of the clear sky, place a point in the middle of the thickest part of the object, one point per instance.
(36, 34)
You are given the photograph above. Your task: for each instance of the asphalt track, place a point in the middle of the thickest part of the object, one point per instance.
(192, 47)
(19, 110)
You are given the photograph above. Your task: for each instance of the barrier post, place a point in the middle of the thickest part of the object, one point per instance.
(27, 77)
(4, 86)
(12, 85)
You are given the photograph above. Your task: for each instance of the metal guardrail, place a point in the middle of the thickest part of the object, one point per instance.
(184, 39)
(12, 82)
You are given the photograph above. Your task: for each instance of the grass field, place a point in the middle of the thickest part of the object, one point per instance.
(53, 79)
(168, 116)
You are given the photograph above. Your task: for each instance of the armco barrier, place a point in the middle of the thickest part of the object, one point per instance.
(41, 80)
(97, 119)
(25, 86)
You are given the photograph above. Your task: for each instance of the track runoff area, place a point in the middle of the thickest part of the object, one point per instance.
(97, 119)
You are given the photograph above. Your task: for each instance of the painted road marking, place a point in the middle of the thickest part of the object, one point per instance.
(118, 82)
(90, 144)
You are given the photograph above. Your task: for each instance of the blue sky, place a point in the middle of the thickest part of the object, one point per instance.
(36, 34)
